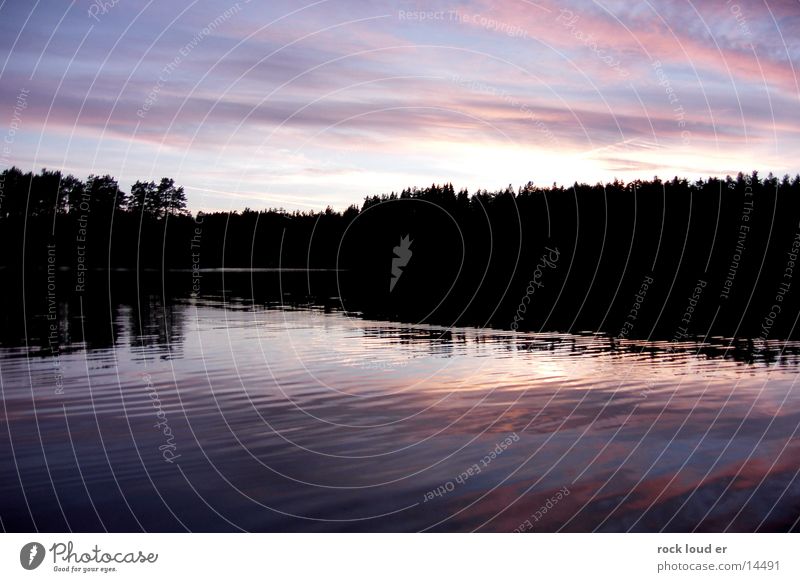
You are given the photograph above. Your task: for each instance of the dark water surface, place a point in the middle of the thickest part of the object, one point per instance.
(211, 415)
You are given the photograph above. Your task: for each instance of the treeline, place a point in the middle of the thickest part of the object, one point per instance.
(671, 259)
(150, 227)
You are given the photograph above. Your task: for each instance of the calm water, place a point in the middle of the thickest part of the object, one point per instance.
(224, 417)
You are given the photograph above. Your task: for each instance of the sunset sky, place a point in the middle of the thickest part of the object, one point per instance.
(302, 105)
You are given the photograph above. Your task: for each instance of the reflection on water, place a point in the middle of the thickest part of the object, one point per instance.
(202, 415)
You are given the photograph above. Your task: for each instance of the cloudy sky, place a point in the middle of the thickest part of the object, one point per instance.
(301, 105)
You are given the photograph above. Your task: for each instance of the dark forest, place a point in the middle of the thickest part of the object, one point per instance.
(651, 259)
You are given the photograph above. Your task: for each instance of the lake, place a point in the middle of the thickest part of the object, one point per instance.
(210, 414)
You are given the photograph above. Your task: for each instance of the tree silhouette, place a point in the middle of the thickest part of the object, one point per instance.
(102, 195)
(472, 256)
(143, 198)
(171, 199)
(158, 200)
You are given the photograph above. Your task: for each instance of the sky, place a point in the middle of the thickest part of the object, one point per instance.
(302, 105)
